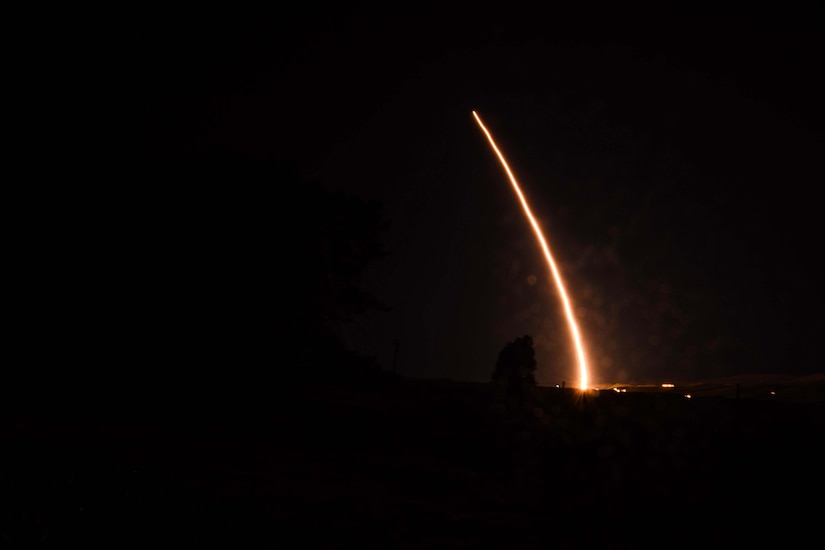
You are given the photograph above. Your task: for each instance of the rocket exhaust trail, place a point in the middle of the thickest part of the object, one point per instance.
(571, 320)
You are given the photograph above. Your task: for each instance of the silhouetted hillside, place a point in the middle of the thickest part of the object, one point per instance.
(419, 463)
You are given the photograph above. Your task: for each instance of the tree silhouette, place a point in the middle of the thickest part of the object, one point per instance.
(514, 375)
(324, 249)
(212, 267)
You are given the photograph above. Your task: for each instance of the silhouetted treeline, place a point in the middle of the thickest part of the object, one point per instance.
(194, 269)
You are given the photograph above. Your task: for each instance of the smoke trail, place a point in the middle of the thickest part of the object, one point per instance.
(574, 329)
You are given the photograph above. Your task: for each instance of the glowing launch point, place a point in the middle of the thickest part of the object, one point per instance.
(571, 319)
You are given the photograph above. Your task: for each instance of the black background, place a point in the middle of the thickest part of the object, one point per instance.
(672, 155)
(186, 204)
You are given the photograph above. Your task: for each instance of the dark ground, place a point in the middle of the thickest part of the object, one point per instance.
(403, 463)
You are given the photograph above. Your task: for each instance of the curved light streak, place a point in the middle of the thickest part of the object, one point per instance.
(571, 319)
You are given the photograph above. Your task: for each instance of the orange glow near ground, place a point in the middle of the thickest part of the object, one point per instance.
(574, 329)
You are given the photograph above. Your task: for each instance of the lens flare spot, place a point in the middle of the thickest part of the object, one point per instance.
(531, 280)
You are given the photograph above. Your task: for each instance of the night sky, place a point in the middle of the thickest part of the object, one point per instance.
(672, 157)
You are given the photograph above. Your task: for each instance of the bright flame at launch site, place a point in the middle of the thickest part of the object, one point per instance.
(574, 329)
